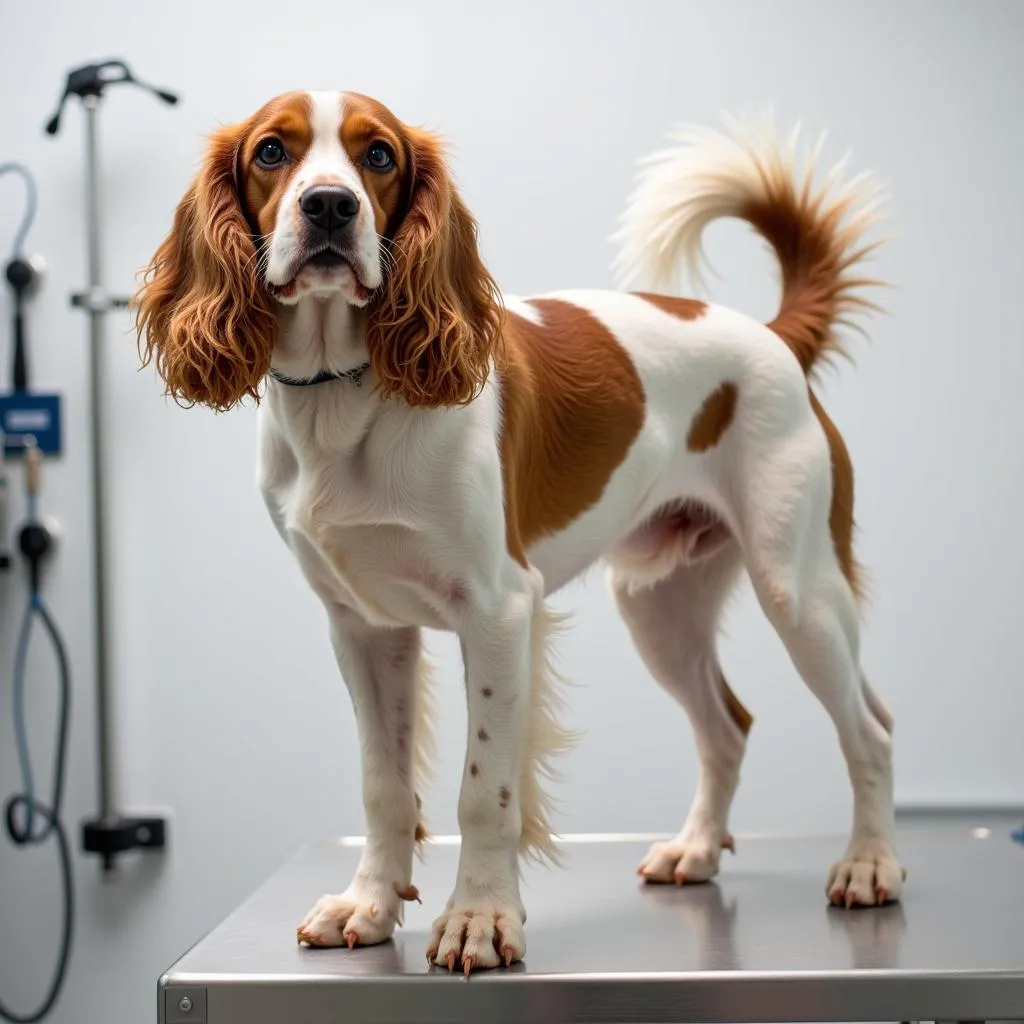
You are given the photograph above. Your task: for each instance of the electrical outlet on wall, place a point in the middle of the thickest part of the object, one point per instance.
(24, 414)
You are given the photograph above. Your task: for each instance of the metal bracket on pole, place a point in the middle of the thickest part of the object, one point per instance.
(110, 833)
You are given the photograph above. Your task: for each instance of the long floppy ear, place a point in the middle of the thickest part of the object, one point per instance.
(203, 312)
(435, 325)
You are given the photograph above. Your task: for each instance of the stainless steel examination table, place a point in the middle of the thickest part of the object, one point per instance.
(759, 944)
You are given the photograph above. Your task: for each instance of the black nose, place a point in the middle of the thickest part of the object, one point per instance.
(329, 207)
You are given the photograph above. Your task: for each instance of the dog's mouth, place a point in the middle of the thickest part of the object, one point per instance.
(327, 259)
(326, 269)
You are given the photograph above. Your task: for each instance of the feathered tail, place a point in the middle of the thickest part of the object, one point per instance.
(816, 230)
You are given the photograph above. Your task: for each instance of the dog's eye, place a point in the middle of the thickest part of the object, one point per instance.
(270, 154)
(379, 157)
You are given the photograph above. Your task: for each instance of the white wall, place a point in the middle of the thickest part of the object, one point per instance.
(230, 710)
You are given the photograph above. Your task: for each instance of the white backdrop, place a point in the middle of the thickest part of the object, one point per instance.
(230, 710)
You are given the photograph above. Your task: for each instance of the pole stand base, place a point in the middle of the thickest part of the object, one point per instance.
(109, 837)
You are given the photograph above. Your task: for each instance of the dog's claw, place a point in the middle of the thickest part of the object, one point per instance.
(728, 843)
(467, 965)
(509, 955)
(450, 960)
(351, 938)
(409, 893)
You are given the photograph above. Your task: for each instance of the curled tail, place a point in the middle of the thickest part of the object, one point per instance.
(817, 231)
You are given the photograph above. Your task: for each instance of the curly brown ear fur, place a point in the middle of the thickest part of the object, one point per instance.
(203, 313)
(435, 325)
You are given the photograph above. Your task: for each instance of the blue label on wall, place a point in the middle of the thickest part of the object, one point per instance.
(30, 415)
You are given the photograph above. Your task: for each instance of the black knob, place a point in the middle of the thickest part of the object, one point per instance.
(35, 541)
(20, 275)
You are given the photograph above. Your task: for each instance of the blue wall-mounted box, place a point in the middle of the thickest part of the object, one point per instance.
(24, 414)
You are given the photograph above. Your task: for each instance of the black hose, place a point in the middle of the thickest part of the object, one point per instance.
(21, 827)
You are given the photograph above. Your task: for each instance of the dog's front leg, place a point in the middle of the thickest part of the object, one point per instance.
(383, 671)
(482, 925)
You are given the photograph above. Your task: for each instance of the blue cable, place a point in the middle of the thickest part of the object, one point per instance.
(30, 204)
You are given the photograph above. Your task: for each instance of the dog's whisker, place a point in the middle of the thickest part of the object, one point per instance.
(262, 249)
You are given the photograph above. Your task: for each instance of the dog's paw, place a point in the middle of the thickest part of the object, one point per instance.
(868, 876)
(683, 861)
(478, 935)
(360, 916)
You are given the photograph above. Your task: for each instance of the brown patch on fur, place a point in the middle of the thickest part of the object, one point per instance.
(713, 418)
(482, 735)
(487, 691)
(737, 712)
(504, 795)
(474, 769)
(435, 325)
(840, 517)
(684, 309)
(572, 405)
(286, 119)
(365, 122)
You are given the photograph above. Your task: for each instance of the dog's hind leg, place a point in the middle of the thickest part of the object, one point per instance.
(674, 624)
(783, 510)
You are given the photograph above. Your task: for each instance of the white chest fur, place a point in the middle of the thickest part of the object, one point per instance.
(392, 512)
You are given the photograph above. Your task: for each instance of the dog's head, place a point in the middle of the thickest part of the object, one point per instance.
(317, 196)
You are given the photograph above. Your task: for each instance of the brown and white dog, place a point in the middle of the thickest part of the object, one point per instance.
(437, 455)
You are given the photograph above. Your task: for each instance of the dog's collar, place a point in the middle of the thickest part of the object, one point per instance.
(355, 375)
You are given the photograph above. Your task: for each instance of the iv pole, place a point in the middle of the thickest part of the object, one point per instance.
(110, 833)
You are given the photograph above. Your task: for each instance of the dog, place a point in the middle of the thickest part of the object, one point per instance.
(438, 455)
